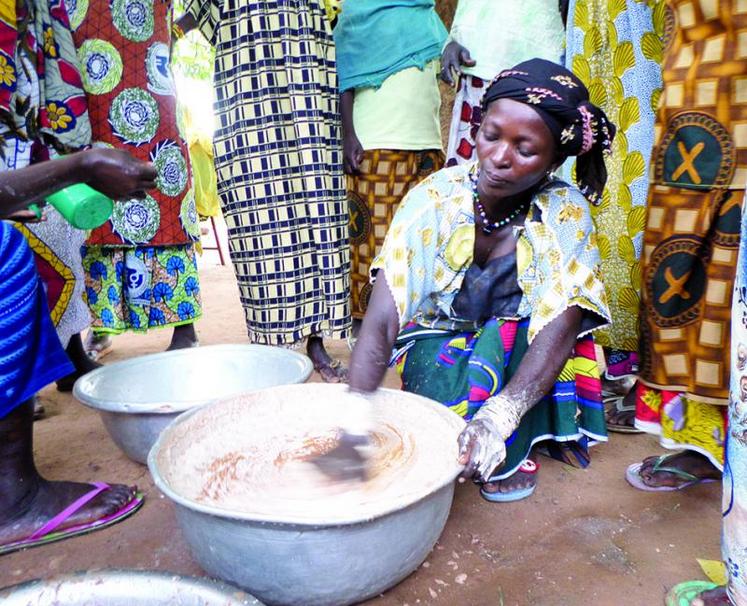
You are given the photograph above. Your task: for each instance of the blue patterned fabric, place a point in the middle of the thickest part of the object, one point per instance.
(376, 39)
(31, 355)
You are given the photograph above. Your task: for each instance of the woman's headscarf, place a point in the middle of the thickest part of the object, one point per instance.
(562, 101)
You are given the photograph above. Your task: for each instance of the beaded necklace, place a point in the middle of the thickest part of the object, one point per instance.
(487, 226)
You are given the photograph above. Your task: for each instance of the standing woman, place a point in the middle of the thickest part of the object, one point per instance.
(388, 63)
(141, 270)
(616, 50)
(690, 245)
(487, 37)
(43, 113)
(278, 158)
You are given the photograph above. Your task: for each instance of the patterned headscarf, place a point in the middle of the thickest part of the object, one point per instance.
(562, 101)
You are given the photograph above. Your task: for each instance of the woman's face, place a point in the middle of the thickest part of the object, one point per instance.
(515, 149)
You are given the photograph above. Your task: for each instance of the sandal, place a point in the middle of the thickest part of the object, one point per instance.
(618, 409)
(49, 533)
(333, 365)
(683, 594)
(528, 467)
(634, 478)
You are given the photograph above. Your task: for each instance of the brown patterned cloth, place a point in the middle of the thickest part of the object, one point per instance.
(373, 197)
(693, 225)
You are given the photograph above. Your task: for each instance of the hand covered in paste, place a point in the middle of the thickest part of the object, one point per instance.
(482, 444)
(481, 449)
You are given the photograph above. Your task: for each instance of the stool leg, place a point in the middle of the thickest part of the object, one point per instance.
(217, 241)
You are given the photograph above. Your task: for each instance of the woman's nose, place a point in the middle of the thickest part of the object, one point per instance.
(500, 155)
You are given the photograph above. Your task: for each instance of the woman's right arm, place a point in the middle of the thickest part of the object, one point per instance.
(114, 173)
(375, 342)
(351, 146)
(186, 23)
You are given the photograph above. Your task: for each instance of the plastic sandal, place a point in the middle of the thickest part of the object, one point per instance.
(634, 478)
(49, 534)
(529, 467)
(620, 407)
(683, 594)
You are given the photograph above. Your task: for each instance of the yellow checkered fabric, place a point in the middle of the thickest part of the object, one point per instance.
(278, 159)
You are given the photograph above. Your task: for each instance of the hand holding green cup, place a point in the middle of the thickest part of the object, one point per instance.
(82, 206)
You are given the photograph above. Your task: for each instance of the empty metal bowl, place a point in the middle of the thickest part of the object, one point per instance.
(139, 397)
(299, 547)
(125, 588)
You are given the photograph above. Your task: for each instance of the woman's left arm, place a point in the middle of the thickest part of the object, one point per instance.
(482, 443)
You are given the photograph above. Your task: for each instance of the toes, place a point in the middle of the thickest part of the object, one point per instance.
(118, 496)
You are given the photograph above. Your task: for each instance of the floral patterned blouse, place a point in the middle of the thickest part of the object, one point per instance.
(430, 246)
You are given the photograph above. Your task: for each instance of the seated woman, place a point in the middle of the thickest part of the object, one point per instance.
(35, 511)
(489, 286)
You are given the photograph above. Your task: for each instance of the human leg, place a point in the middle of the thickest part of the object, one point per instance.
(184, 336)
(28, 501)
(331, 370)
(80, 359)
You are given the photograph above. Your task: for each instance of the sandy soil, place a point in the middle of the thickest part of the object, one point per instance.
(584, 538)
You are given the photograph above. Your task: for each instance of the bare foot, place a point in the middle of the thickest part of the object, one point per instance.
(713, 597)
(688, 461)
(184, 337)
(46, 499)
(622, 418)
(332, 371)
(518, 481)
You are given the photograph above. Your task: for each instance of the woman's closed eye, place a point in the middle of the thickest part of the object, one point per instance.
(526, 152)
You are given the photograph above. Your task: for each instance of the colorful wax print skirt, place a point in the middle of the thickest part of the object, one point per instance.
(615, 48)
(31, 355)
(465, 120)
(734, 508)
(373, 197)
(56, 245)
(682, 423)
(463, 369)
(694, 205)
(141, 288)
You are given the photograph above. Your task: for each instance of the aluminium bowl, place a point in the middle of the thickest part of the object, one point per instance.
(139, 397)
(125, 588)
(303, 560)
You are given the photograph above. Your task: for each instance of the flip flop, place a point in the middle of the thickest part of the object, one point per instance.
(333, 365)
(683, 594)
(49, 534)
(620, 407)
(634, 478)
(528, 467)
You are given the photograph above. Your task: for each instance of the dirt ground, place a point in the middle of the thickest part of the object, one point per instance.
(584, 538)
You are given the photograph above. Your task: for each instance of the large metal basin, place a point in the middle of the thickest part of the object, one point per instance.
(138, 398)
(302, 559)
(125, 588)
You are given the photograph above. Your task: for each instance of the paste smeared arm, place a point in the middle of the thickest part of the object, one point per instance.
(482, 443)
(373, 349)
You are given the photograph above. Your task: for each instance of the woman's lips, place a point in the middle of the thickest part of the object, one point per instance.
(495, 180)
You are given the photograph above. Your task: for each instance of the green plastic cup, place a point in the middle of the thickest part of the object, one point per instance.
(82, 206)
